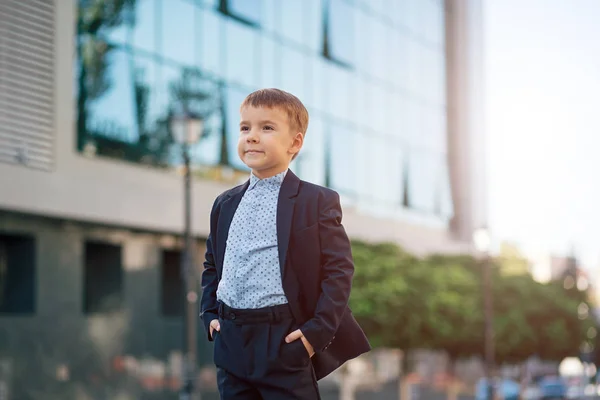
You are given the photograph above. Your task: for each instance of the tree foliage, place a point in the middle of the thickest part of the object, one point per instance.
(437, 302)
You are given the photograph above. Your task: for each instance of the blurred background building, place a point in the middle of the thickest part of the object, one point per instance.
(91, 198)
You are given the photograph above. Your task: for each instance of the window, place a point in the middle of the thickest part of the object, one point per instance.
(338, 29)
(144, 29)
(244, 11)
(341, 85)
(234, 98)
(340, 164)
(364, 43)
(171, 284)
(314, 25)
(310, 163)
(241, 49)
(103, 278)
(17, 274)
(293, 72)
(178, 32)
(292, 20)
(270, 62)
(423, 173)
(212, 47)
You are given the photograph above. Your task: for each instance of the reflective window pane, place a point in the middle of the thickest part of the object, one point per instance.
(111, 111)
(271, 20)
(293, 72)
(342, 153)
(292, 21)
(378, 107)
(212, 47)
(314, 25)
(363, 102)
(363, 41)
(249, 10)
(144, 28)
(447, 205)
(241, 51)
(379, 51)
(178, 34)
(422, 180)
(341, 31)
(310, 163)
(341, 93)
(234, 98)
(317, 97)
(269, 63)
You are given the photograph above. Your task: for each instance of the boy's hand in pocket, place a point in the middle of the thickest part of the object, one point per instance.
(214, 326)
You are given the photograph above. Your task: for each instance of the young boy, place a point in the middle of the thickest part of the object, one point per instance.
(278, 268)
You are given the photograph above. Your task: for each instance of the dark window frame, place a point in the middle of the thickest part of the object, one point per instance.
(326, 45)
(171, 289)
(12, 307)
(224, 9)
(92, 305)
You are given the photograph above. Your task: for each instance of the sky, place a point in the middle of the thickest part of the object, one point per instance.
(542, 113)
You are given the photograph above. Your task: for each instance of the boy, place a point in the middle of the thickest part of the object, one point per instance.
(278, 268)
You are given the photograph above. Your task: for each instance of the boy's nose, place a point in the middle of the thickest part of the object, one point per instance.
(252, 137)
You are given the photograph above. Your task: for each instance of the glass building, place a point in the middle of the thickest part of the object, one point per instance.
(91, 199)
(371, 73)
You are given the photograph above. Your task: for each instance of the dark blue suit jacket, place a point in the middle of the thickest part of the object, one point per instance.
(316, 268)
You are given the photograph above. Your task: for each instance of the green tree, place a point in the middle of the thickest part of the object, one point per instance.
(386, 297)
(455, 312)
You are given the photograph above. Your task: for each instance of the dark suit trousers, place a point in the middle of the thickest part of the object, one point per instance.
(253, 360)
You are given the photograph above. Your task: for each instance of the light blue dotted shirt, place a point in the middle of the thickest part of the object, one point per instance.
(251, 274)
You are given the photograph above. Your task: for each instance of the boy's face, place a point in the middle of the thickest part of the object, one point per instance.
(266, 142)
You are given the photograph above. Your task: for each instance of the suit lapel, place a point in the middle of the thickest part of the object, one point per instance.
(230, 204)
(285, 212)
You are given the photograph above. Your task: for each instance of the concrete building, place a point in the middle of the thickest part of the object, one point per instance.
(91, 197)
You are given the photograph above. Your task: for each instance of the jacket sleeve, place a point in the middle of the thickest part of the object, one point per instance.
(209, 308)
(337, 272)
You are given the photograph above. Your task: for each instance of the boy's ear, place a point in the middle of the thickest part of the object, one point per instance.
(298, 142)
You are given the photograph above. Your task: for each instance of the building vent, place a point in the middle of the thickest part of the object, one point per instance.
(27, 82)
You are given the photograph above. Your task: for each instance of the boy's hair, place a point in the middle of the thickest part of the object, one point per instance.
(277, 98)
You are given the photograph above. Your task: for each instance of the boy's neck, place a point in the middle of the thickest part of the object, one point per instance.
(269, 173)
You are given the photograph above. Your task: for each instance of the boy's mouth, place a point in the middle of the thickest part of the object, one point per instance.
(253, 152)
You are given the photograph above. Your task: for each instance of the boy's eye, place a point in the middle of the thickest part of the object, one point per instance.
(268, 127)
(243, 128)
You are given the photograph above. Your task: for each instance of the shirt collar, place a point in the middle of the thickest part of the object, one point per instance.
(273, 181)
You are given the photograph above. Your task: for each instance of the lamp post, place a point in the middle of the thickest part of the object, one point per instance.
(187, 129)
(481, 239)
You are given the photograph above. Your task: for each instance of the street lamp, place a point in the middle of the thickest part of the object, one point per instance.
(187, 129)
(482, 241)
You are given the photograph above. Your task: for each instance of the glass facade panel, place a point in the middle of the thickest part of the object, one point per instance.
(112, 115)
(341, 154)
(178, 36)
(423, 172)
(234, 98)
(292, 17)
(212, 41)
(250, 10)
(293, 72)
(310, 163)
(270, 63)
(372, 74)
(314, 25)
(241, 48)
(341, 31)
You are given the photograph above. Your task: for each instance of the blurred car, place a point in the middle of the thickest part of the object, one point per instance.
(532, 392)
(552, 387)
(506, 389)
